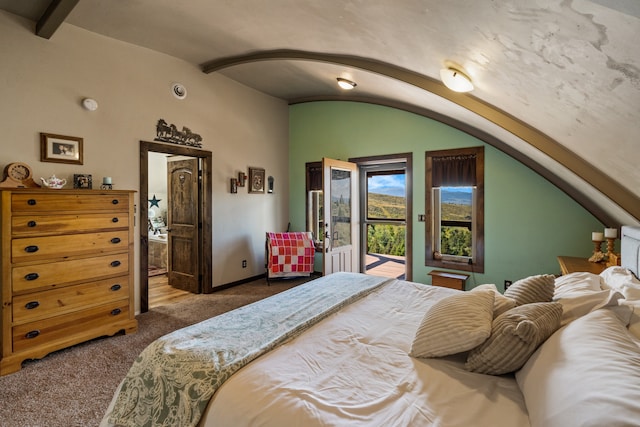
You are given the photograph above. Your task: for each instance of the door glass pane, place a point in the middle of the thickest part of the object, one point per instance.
(340, 207)
(315, 216)
(386, 196)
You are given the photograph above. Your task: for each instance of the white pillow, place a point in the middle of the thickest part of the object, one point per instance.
(454, 324)
(623, 281)
(586, 374)
(501, 303)
(579, 281)
(578, 303)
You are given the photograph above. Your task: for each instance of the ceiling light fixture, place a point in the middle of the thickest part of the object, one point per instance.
(456, 80)
(346, 84)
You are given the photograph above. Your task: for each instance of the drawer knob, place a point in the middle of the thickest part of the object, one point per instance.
(115, 263)
(115, 201)
(32, 334)
(115, 240)
(31, 249)
(31, 202)
(31, 276)
(116, 287)
(31, 305)
(31, 224)
(114, 220)
(115, 311)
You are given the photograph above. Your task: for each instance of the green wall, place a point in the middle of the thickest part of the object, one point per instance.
(528, 221)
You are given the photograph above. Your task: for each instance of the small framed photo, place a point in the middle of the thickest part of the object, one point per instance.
(256, 180)
(82, 181)
(60, 149)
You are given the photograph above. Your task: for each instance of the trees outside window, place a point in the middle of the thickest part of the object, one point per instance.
(454, 190)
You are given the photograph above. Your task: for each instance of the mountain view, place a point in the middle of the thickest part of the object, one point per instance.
(390, 239)
(457, 197)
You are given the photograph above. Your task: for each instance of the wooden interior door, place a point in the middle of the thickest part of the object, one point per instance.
(341, 219)
(183, 220)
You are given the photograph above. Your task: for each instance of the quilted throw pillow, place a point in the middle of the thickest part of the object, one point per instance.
(515, 335)
(532, 289)
(454, 324)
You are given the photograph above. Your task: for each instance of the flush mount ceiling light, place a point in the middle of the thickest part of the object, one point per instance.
(346, 84)
(456, 80)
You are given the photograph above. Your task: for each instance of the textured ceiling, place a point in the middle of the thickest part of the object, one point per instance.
(570, 69)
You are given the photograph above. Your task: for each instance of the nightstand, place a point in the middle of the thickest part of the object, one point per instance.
(570, 264)
(448, 280)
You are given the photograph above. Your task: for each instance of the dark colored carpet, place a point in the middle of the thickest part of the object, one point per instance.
(73, 387)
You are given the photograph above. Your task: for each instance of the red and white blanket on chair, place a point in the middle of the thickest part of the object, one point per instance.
(290, 254)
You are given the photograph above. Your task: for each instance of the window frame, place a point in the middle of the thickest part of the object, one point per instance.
(477, 262)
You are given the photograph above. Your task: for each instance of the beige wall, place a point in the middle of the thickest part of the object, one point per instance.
(44, 81)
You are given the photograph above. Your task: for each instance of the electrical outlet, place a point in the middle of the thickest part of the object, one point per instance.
(244, 263)
(507, 283)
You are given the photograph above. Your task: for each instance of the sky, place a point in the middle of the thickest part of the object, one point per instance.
(392, 185)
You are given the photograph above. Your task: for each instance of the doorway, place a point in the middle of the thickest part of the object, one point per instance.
(386, 215)
(197, 206)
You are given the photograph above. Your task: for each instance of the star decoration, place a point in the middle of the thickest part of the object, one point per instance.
(154, 202)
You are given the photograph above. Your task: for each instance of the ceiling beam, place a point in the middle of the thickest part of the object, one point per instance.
(595, 177)
(54, 16)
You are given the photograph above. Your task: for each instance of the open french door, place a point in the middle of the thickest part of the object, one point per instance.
(341, 250)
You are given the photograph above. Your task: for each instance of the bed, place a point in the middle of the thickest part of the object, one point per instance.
(358, 350)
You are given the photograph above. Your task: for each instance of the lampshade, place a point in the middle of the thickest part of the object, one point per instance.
(456, 80)
(346, 84)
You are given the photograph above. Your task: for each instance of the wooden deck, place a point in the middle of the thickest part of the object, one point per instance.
(385, 265)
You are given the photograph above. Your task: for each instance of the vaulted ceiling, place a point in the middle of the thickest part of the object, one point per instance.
(557, 82)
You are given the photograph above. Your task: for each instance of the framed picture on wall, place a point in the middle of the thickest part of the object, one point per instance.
(256, 180)
(60, 149)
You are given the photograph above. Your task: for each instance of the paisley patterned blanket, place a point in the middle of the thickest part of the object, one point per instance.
(172, 380)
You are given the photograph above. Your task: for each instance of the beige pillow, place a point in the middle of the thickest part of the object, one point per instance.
(515, 335)
(501, 303)
(453, 324)
(532, 289)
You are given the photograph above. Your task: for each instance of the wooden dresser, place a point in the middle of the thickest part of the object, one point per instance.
(67, 270)
(570, 264)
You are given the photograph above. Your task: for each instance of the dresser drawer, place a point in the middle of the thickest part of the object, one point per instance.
(59, 201)
(41, 305)
(55, 274)
(50, 247)
(60, 328)
(59, 224)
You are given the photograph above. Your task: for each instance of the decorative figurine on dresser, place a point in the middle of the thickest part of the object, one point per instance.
(67, 270)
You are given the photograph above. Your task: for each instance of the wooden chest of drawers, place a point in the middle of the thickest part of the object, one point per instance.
(67, 270)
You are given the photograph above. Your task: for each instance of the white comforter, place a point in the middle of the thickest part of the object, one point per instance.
(353, 369)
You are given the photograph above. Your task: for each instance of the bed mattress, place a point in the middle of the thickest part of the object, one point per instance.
(353, 369)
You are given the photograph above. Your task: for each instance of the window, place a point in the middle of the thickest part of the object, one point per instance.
(454, 201)
(314, 209)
